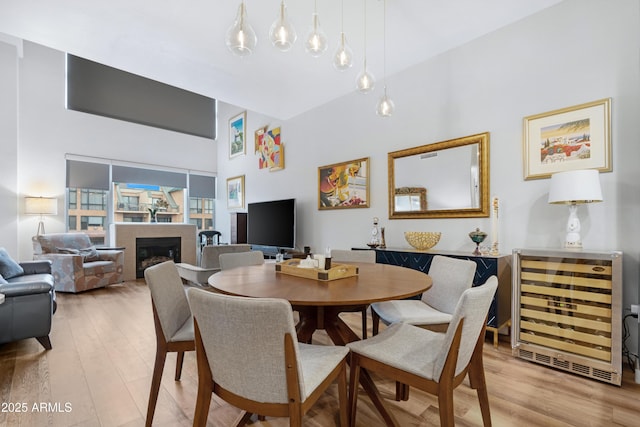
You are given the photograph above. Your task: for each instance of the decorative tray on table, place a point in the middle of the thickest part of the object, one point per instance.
(337, 271)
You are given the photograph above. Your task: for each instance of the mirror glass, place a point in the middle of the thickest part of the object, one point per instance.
(448, 179)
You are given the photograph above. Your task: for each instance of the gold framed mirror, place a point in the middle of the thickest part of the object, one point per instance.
(448, 179)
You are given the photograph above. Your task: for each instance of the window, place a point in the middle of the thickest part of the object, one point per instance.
(102, 193)
(195, 205)
(93, 200)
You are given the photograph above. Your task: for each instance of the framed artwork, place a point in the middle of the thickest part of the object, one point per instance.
(258, 137)
(577, 137)
(344, 185)
(271, 151)
(237, 135)
(235, 192)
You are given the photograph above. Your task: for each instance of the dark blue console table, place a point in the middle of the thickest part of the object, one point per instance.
(489, 265)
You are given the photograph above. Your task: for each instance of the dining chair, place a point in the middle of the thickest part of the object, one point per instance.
(173, 323)
(240, 259)
(364, 256)
(278, 378)
(451, 277)
(434, 362)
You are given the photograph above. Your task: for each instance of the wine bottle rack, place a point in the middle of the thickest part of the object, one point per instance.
(566, 311)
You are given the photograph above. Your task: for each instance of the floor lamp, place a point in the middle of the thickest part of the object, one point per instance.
(41, 206)
(574, 188)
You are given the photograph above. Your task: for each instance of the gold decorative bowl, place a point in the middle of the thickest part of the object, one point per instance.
(422, 240)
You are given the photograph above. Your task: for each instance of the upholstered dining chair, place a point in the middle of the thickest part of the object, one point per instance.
(434, 362)
(279, 378)
(364, 256)
(451, 277)
(173, 323)
(240, 259)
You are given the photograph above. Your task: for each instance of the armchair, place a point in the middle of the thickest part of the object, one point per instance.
(77, 265)
(29, 304)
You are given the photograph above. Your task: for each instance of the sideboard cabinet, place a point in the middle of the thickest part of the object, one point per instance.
(489, 265)
(567, 311)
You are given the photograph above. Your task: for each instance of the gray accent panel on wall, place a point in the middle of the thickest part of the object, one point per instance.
(99, 89)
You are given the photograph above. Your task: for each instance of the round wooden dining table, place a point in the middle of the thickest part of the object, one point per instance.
(320, 302)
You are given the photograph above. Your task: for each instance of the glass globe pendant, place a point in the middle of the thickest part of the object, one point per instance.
(343, 58)
(316, 43)
(282, 34)
(241, 40)
(385, 106)
(365, 82)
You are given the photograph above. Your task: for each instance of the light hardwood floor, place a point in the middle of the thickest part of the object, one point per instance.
(102, 359)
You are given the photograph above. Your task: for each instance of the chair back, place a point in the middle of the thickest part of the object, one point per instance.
(473, 307)
(364, 256)
(230, 329)
(241, 259)
(211, 254)
(451, 277)
(168, 296)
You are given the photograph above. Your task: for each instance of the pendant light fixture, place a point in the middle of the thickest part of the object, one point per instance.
(241, 39)
(365, 80)
(282, 34)
(316, 43)
(385, 106)
(343, 58)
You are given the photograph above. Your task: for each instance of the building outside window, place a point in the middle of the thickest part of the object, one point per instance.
(102, 193)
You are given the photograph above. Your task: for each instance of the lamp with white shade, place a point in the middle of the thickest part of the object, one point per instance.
(574, 188)
(41, 206)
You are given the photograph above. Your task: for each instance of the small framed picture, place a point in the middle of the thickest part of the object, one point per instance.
(235, 192)
(237, 135)
(344, 185)
(572, 138)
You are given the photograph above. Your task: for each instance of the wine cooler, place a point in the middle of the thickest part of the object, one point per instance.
(567, 311)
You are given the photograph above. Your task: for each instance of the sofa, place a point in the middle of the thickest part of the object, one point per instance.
(76, 264)
(29, 301)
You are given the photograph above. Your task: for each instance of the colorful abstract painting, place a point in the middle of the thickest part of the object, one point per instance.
(270, 150)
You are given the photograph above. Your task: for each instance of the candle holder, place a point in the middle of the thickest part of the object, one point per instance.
(477, 237)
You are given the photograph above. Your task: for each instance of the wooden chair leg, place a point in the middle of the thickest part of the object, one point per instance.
(342, 396)
(203, 401)
(179, 360)
(364, 323)
(158, 367)
(402, 391)
(445, 406)
(354, 381)
(478, 382)
(375, 322)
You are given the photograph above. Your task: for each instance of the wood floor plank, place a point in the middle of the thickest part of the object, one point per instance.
(102, 362)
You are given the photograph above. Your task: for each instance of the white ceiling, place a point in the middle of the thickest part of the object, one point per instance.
(182, 42)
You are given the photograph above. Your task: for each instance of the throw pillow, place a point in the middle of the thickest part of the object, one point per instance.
(2, 281)
(8, 267)
(90, 254)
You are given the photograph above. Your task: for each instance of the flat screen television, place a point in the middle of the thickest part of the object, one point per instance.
(272, 223)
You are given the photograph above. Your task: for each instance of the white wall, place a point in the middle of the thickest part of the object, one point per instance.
(575, 52)
(47, 131)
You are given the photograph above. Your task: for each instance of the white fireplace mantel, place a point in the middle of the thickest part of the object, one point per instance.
(125, 234)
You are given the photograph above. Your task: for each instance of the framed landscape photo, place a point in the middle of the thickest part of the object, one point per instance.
(235, 192)
(344, 185)
(572, 138)
(237, 135)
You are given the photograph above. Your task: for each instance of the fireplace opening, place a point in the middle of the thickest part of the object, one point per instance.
(154, 250)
